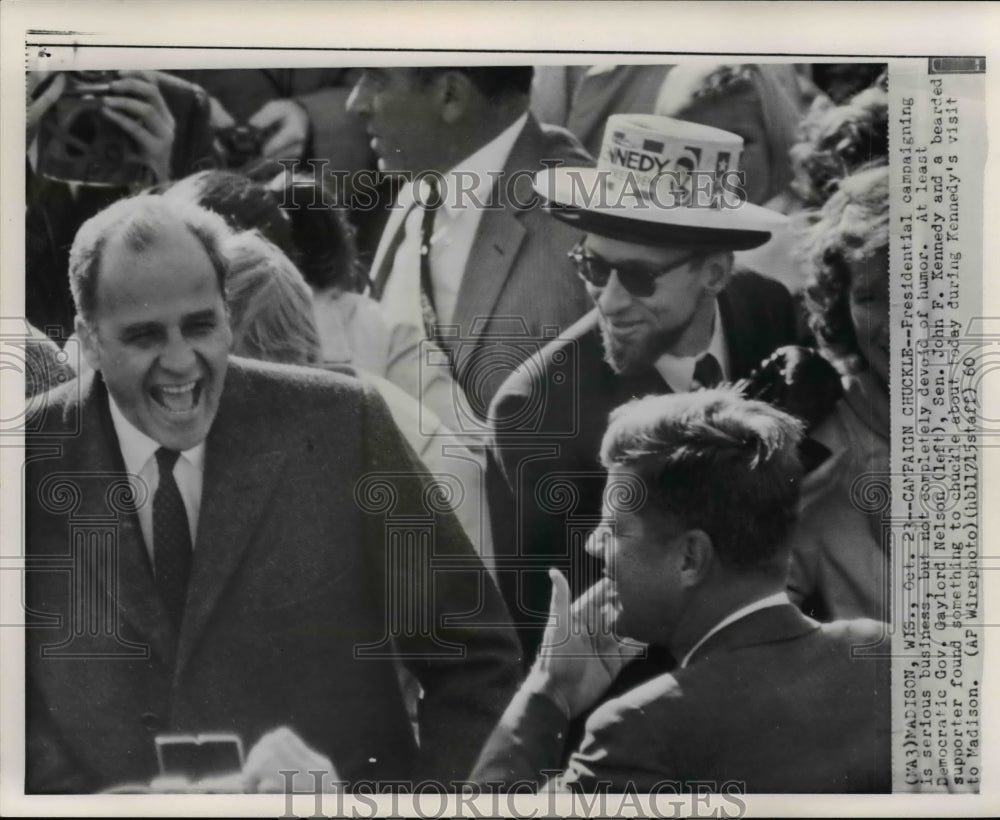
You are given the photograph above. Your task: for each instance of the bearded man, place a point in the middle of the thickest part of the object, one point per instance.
(672, 313)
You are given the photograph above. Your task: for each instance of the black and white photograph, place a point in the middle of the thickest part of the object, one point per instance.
(477, 430)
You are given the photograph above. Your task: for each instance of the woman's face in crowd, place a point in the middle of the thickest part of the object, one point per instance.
(869, 304)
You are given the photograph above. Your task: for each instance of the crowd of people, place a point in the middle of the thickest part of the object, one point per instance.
(459, 424)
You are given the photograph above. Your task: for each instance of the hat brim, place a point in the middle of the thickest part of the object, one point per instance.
(564, 194)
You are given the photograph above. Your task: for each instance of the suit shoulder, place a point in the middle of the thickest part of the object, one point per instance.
(561, 144)
(751, 284)
(646, 705)
(856, 631)
(288, 385)
(573, 348)
(57, 410)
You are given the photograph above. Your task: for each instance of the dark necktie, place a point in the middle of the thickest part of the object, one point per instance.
(171, 538)
(427, 308)
(707, 372)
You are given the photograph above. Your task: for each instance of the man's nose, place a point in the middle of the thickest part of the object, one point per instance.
(613, 297)
(598, 541)
(357, 100)
(178, 355)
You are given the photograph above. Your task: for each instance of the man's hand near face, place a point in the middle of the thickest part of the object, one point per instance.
(580, 655)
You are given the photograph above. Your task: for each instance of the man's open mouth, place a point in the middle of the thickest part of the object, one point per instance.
(178, 399)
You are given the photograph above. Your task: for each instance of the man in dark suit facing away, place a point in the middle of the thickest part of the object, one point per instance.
(216, 545)
(671, 314)
(702, 490)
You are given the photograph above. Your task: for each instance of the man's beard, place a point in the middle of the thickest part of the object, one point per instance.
(636, 355)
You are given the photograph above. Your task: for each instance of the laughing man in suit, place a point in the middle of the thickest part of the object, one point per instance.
(764, 699)
(233, 538)
(671, 314)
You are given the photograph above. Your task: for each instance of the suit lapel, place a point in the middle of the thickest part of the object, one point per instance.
(384, 256)
(136, 597)
(498, 237)
(238, 483)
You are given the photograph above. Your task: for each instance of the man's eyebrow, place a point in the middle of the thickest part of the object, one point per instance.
(646, 263)
(139, 327)
(199, 315)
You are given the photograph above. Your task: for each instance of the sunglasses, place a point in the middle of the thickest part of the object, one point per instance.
(638, 279)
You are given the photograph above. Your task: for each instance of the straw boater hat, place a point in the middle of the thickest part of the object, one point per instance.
(661, 181)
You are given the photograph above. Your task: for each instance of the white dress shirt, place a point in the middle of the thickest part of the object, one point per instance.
(467, 187)
(777, 599)
(678, 371)
(139, 455)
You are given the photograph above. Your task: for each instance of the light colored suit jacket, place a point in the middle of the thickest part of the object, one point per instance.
(315, 522)
(519, 290)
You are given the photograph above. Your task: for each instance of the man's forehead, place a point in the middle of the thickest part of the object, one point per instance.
(134, 261)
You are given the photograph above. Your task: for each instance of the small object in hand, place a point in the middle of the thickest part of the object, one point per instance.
(241, 144)
(196, 757)
(77, 143)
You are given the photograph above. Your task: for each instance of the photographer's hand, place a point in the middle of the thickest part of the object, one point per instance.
(137, 106)
(287, 125)
(219, 118)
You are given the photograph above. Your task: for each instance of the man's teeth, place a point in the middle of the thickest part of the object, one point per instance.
(177, 398)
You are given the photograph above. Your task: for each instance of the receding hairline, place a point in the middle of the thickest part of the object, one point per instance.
(135, 235)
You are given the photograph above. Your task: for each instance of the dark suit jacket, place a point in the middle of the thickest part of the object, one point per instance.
(519, 290)
(547, 422)
(300, 562)
(774, 702)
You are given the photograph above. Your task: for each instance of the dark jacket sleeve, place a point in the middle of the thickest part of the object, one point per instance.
(449, 623)
(526, 745)
(49, 767)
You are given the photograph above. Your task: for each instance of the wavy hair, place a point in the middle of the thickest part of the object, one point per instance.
(852, 226)
(270, 304)
(721, 463)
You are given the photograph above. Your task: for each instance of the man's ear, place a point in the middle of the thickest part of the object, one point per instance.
(228, 319)
(697, 557)
(718, 269)
(87, 334)
(454, 92)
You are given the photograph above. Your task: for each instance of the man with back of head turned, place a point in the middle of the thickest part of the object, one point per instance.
(228, 530)
(702, 489)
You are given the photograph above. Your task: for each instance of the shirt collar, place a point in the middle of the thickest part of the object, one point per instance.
(481, 166)
(776, 599)
(678, 371)
(138, 448)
